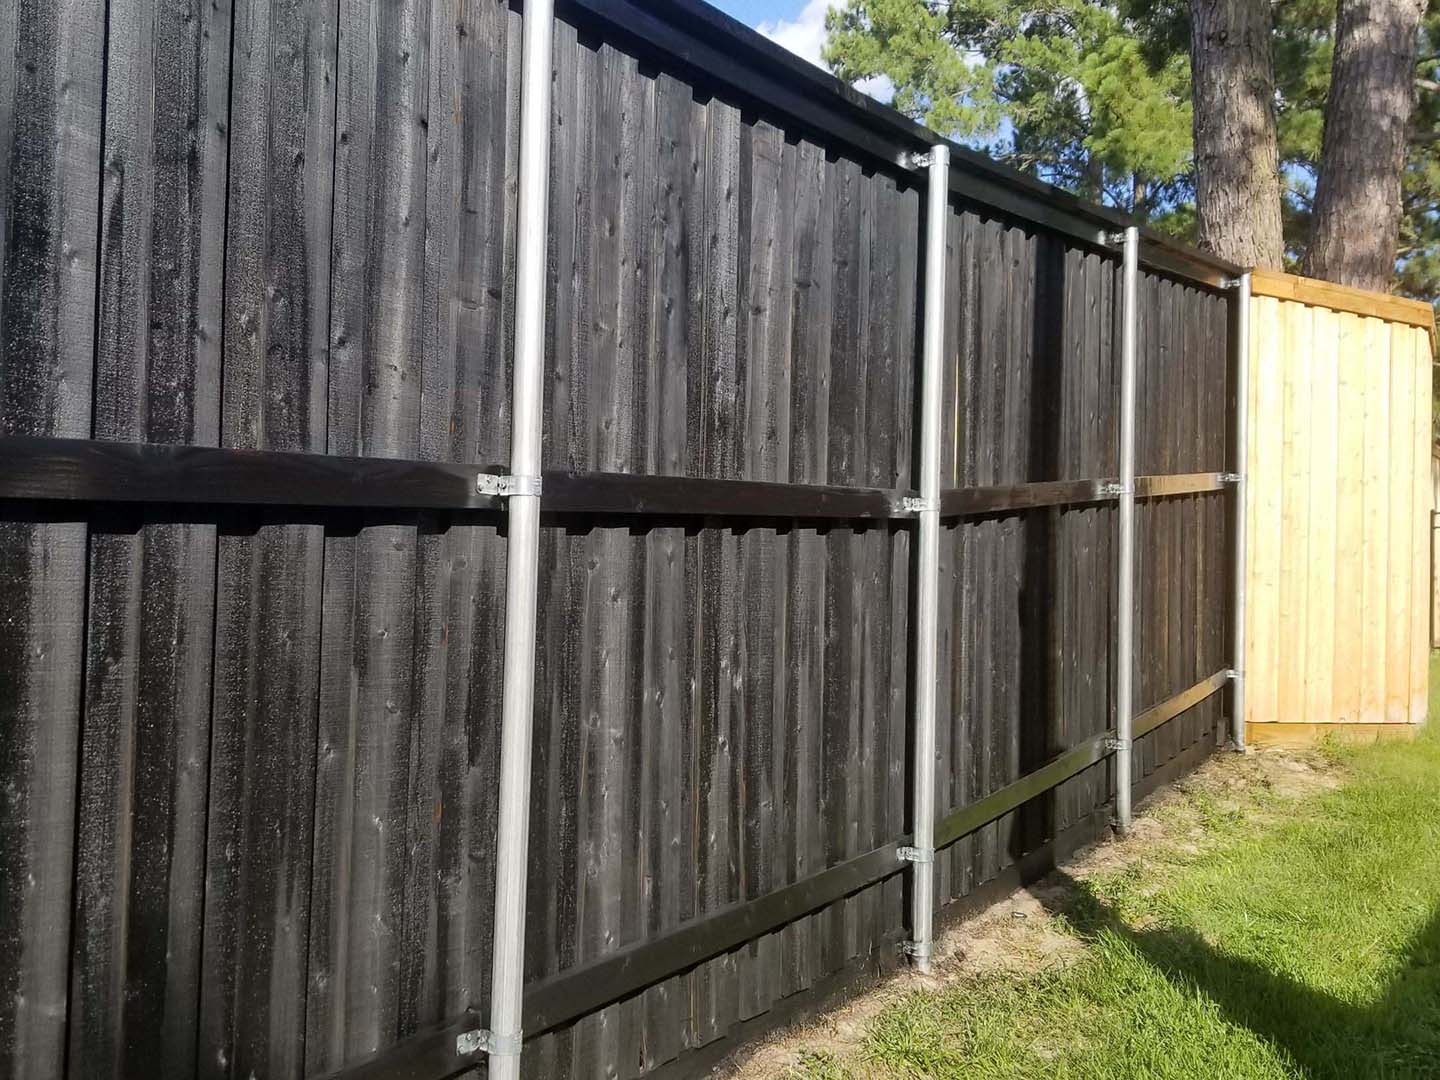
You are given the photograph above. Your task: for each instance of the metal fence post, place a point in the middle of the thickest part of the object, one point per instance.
(503, 1040)
(1125, 615)
(928, 588)
(1242, 421)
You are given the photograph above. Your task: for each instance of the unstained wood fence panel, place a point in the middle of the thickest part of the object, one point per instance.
(1338, 594)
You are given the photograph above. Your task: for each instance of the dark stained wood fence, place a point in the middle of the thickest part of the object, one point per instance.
(249, 744)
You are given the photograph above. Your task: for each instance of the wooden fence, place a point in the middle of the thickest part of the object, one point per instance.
(255, 341)
(1338, 609)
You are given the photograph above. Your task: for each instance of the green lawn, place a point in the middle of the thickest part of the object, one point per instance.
(1302, 939)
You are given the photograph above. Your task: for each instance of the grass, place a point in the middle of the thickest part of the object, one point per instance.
(1301, 939)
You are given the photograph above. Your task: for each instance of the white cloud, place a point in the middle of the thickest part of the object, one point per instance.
(804, 35)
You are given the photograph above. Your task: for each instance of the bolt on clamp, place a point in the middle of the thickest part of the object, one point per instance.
(920, 950)
(481, 1040)
(505, 487)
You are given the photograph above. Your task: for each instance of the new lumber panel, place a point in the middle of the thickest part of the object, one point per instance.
(1422, 498)
(1265, 487)
(1349, 519)
(1319, 638)
(1375, 536)
(1401, 479)
(1295, 343)
(1345, 620)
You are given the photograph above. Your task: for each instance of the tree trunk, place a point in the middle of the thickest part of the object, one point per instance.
(1356, 220)
(1237, 160)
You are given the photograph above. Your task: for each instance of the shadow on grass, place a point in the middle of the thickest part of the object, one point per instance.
(1399, 1036)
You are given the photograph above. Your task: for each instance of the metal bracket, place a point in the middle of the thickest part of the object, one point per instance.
(913, 504)
(483, 1041)
(1113, 490)
(1114, 743)
(1234, 673)
(1116, 239)
(1230, 478)
(915, 159)
(505, 487)
(916, 854)
(920, 950)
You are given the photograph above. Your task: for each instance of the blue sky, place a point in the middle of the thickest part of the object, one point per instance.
(754, 12)
(799, 25)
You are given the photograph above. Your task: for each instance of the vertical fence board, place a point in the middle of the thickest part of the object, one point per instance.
(1422, 506)
(140, 863)
(367, 648)
(809, 457)
(1350, 522)
(715, 452)
(1322, 465)
(469, 250)
(665, 804)
(50, 98)
(1375, 505)
(1264, 491)
(765, 393)
(262, 790)
(1398, 474)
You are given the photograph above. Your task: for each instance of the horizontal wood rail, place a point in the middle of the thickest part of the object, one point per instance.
(979, 501)
(687, 496)
(1159, 487)
(91, 470)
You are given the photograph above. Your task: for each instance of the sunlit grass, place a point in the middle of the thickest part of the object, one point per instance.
(1302, 939)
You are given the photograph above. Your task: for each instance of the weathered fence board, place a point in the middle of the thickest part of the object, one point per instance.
(269, 590)
(135, 963)
(51, 137)
(249, 737)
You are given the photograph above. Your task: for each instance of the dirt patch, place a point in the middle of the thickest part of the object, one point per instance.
(1020, 935)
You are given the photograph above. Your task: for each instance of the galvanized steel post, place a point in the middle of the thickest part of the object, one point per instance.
(504, 1037)
(928, 588)
(1125, 614)
(1242, 422)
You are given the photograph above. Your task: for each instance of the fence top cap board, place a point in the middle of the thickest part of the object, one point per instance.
(1303, 290)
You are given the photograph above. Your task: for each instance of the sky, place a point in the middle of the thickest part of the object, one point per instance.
(801, 22)
(799, 25)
